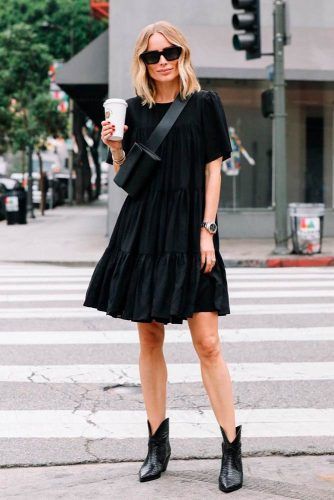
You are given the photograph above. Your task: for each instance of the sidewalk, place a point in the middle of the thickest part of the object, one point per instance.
(267, 478)
(77, 236)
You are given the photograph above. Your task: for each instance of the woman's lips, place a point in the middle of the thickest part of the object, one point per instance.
(165, 70)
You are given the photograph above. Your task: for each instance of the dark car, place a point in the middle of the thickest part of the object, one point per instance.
(7, 185)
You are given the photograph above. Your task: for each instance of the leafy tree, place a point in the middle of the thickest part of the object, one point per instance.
(58, 29)
(65, 26)
(28, 114)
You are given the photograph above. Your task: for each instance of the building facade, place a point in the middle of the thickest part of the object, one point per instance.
(246, 206)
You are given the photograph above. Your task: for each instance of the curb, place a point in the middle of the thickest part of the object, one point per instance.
(270, 262)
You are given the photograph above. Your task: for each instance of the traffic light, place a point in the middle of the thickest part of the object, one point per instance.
(249, 22)
(267, 103)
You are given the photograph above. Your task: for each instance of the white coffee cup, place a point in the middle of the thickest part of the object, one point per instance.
(115, 110)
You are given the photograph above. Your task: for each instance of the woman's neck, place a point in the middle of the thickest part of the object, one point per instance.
(166, 91)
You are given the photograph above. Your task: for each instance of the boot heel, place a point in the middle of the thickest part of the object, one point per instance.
(164, 467)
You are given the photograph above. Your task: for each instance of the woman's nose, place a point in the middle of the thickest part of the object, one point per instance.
(164, 60)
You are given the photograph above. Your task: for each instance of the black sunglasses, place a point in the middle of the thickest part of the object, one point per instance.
(169, 53)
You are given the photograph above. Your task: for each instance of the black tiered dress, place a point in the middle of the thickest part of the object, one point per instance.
(151, 269)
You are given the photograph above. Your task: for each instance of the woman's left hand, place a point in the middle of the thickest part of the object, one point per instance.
(208, 255)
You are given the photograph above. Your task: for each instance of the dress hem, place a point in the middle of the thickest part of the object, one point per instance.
(173, 319)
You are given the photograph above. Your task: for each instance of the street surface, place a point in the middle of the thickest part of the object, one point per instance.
(70, 390)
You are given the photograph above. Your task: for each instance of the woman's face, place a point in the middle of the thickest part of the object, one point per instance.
(162, 71)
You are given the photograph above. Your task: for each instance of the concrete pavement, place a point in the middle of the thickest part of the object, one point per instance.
(265, 478)
(77, 236)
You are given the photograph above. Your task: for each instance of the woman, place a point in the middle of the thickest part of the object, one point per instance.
(161, 265)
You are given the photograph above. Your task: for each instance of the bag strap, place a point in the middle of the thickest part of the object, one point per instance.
(166, 123)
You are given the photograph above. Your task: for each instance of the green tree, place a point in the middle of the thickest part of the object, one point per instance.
(28, 114)
(61, 28)
(65, 26)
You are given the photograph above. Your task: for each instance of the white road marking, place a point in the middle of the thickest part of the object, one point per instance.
(242, 309)
(41, 280)
(83, 337)
(45, 297)
(177, 373)
(185, 424)
(234, 285)
(280, 294)
(249, 294)
(290, 289)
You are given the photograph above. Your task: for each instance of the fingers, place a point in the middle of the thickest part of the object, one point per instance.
(107, 131)
(208, 261)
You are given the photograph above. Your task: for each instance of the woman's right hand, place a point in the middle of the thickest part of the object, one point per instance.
(106, 135)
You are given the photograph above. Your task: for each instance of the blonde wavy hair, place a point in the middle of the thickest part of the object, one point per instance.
(143, 83)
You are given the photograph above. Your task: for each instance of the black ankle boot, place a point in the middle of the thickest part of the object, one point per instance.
(231, 474)
(158, 454)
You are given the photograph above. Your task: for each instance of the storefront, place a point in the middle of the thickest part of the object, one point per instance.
(247, 205)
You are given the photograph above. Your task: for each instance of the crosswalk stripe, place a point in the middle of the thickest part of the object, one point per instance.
(45, 297)
(282, 270)
(280, 294)
(233, 273)
(177, 373)
(18, 280)
(44, 273)
(234, 294)
(279, 284)
(68, 297)
(83, 337)
(242, 309)
(47, 286)
(184, 424)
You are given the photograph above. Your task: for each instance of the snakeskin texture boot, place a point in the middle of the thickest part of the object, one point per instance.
(231, 474)
(158, 454)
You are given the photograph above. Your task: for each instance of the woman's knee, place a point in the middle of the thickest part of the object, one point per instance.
(151, 336)
(208, 347)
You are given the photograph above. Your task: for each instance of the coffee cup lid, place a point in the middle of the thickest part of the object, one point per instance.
(120, 101)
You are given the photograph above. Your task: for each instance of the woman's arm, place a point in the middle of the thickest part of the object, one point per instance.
(212, 195)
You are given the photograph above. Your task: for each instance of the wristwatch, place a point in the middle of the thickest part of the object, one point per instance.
(210, 226)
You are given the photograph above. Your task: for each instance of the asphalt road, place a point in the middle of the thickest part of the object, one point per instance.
(70, 391)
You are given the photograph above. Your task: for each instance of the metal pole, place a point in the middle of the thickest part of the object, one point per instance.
(279, 132)
(30, 207)
(70, 158)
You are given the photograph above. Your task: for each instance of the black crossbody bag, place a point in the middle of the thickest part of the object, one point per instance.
(142, 161)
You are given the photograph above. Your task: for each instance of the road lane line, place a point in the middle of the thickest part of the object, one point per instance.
(83, 337)
(186, 424)
(178, 373)
(236, 309)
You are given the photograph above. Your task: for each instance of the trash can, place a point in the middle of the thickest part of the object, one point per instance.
(12, 207)
(307, 222)
(22, 196)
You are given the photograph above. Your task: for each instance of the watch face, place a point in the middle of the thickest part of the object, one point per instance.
(213, 227)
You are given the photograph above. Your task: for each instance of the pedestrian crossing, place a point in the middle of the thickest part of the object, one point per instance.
(278, 342)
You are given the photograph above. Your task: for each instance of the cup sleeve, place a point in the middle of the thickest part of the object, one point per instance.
(215, 129)
(126, 138)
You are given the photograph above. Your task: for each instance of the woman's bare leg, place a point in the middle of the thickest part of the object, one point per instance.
(153, 371)
(215, 374)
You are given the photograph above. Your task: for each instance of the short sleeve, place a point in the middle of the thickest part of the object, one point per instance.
(127, 135)
(215, 129)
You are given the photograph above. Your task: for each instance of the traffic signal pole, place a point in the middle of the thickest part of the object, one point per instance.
(279, 132)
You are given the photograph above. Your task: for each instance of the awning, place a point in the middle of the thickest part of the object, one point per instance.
(85, 77)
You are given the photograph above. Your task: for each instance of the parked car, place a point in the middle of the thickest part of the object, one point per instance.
(6, 186)
(56, 193)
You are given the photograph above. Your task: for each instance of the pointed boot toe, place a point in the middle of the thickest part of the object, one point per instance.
(231, 472)
(158, 454)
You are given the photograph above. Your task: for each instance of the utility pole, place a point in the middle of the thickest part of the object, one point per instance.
(279, 131)
(71, 141)
(30, 204)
